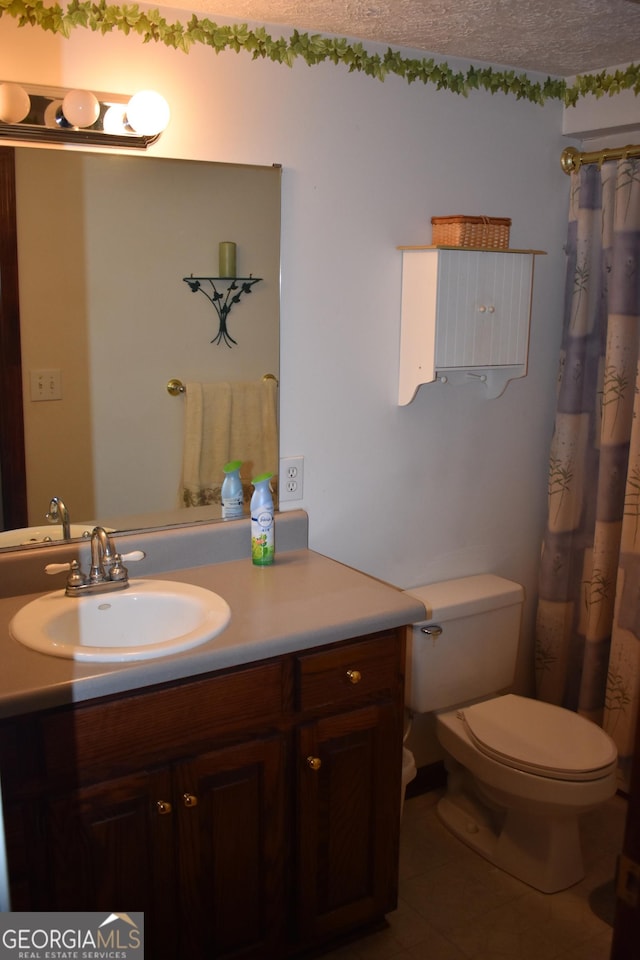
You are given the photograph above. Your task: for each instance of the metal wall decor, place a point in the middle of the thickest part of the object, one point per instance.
(222, 293)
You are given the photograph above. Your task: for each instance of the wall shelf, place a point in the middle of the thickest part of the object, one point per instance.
(465, 317)
(222, 293)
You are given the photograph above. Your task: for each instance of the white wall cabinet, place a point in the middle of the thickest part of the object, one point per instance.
(465, 316)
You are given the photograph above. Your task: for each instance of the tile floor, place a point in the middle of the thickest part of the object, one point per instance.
(455, 906)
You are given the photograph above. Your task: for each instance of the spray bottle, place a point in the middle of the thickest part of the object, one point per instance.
(231, 493)
(262, 522)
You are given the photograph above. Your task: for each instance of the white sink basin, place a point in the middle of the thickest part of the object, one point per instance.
(150, 618)
(48, 532)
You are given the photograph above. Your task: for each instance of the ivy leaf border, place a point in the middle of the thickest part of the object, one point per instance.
(313, 49)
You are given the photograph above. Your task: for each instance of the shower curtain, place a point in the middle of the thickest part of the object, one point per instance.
(588, 617)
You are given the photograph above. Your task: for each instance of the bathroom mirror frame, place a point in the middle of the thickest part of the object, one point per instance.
(13, 477)
(12, 455)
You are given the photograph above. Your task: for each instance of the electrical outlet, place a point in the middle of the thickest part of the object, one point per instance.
(291, 478)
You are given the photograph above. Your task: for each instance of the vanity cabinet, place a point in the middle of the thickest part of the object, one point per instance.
(170, 802)
(196, 845)
(249, 813)
(465, 316)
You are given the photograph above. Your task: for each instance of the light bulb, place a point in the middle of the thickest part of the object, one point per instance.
(115, 119)
(53, 114)
(80, 108)
(14, 103)
(147, 113)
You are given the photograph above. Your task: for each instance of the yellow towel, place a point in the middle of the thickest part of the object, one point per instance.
(223, 422)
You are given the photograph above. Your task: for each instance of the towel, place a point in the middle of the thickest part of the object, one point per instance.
(223, 422)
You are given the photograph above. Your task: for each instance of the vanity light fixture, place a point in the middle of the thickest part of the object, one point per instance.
(35, 113)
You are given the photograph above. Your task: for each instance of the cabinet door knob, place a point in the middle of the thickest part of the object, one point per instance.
(314, 763)
(354, 676)
(190, 800)
(163, 806)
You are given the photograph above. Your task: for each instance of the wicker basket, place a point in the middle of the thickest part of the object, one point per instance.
(471, 232)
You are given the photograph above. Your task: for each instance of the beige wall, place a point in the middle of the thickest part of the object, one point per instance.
(54, 333)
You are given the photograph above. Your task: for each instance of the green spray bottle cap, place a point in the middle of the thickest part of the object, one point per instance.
(232, 466)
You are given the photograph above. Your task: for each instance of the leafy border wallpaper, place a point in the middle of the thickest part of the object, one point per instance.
(150, 25)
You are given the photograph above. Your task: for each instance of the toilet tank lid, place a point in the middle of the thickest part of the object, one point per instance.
(467, 596)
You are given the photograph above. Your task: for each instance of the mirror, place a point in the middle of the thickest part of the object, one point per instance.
(103, 244)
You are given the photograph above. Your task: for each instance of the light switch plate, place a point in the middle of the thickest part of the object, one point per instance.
(46, 384)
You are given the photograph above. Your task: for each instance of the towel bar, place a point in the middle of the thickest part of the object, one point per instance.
(175, 387)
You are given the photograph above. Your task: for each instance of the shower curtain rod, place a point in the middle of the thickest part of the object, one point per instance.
(571, 159)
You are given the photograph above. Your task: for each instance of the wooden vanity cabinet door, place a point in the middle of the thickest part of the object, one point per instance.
(231, 851)
(111, 847)
(348, 820)
(349, 760)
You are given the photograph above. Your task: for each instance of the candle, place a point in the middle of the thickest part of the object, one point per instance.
(227, 258)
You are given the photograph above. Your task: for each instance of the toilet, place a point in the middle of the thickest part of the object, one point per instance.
(520, 772)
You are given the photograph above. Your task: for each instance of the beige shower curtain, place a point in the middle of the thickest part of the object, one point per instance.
(588, 622)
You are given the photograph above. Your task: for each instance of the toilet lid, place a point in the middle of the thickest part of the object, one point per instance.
(539, 738)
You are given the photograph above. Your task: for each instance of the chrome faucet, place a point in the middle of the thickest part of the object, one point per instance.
(106, 564)
(107, 571)
(58, 513)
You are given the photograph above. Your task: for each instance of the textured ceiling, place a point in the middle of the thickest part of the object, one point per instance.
(575, 36)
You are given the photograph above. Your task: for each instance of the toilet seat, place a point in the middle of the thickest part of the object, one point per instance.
(539, 738)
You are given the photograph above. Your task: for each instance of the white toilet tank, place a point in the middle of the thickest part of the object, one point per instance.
(467, 647)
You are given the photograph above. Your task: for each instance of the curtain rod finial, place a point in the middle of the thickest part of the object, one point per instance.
(570, 159)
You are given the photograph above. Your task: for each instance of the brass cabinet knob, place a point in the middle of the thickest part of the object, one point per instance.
(163, 806)
(314, 763)
(190, 800)
(354, 676)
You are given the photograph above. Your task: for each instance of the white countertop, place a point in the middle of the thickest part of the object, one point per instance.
(303, 600)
